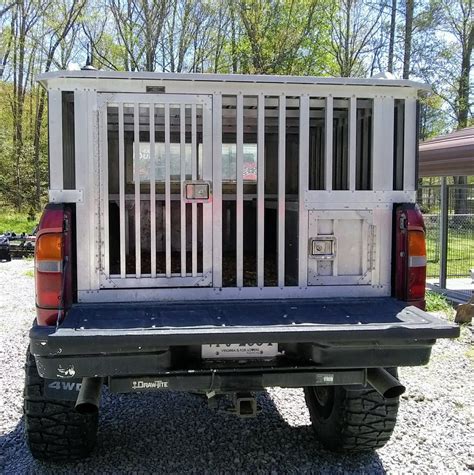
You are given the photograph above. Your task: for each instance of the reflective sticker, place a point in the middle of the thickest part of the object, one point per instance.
(417, 261)
(49, 266)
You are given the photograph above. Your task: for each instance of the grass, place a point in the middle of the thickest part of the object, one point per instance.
(437, 303)
(29, 273)
(17, 222)
(460, 254)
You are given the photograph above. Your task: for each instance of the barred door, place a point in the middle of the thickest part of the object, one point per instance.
(156, 190)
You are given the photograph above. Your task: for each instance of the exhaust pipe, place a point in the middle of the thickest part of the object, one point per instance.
(89, 396)
(384, 383)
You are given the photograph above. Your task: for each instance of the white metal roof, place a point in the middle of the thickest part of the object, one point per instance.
(246, 78)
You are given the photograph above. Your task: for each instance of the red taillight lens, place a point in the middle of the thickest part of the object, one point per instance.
(410, 255)
(416, 265)
(52, 251)
(416, 284)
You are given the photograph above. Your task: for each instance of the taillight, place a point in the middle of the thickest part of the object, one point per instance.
(416, 266)
(52, 269)
(410, 255)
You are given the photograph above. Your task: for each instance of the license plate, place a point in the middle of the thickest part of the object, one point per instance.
(239, 350)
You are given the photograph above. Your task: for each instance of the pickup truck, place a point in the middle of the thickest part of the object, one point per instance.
(163, 264)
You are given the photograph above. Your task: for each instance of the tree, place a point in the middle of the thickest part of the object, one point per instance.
(61, 21)
(25, 16)
(459, 21)
(353, 27)
(273, 33)
(407, 44)
(391, 45)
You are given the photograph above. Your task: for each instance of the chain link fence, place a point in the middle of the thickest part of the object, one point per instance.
(460, 233)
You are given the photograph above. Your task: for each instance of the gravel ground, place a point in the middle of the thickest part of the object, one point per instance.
(174, 432)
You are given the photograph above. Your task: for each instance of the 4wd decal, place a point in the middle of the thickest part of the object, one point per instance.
(62, 390)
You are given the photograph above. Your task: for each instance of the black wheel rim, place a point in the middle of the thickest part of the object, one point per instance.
(324, 400)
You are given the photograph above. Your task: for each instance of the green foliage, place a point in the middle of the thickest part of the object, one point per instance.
(17, 222)
(279, 37)
(460, 250)
(433, 121)
(437, 303)
(17, 160)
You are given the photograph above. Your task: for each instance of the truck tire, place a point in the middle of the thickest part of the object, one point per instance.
(55, 431)
(348, 420)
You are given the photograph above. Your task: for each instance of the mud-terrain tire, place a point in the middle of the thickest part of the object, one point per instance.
(55, 431)
(346, 420)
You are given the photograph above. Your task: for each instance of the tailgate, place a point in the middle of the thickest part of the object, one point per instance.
(192, 323)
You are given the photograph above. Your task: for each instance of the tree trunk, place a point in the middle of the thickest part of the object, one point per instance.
(464, 81)
(36, 147)
(460, 205)
(233, 40)
(346, 70)
(391, 44)
(410, 6)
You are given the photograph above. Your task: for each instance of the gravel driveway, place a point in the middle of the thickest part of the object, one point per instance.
(174, 432)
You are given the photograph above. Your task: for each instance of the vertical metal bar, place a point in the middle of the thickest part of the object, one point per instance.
(329, 143)
(104, 175)
(92, 141)
(136, 172)
(260, 189)
(122, 192)
(152, 191)
(334, 262)
(281, 188)
(82, 173)
(239, 205)
(443, 228)
(376, 249)
(207, 208)
(55, 130)
(167, 191)
(94, 180)
(182, 152)
(217, 190)
(383, 144)
(352, 142)
(365, 244)
(194, 177)
(302, 188)
(410, 146)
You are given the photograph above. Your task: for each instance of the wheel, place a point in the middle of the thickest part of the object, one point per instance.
(55, 431)
(346, 420)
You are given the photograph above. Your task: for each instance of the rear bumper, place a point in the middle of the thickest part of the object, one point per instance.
(124, 340)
